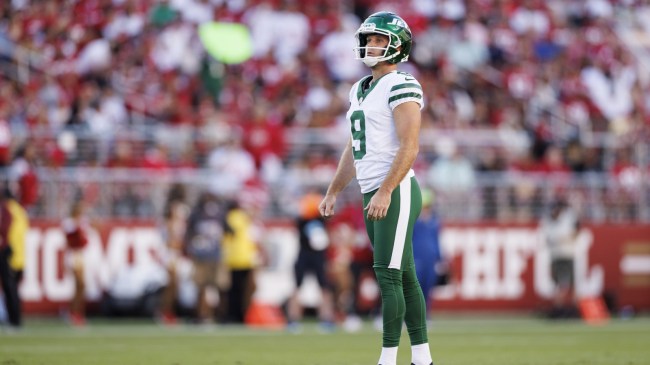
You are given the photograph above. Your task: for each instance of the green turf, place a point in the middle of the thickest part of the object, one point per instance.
(454, 341)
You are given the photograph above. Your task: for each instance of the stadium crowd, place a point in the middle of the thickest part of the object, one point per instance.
(539, 88)
(519, 93)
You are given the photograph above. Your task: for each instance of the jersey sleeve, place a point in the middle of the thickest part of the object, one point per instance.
(406, 88)
(353, 92)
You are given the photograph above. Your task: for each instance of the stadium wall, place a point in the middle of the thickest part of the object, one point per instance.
(494, 266)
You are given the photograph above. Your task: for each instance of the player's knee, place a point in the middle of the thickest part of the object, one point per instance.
(388, 279)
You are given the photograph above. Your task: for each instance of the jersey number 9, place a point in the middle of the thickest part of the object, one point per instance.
(358, 127)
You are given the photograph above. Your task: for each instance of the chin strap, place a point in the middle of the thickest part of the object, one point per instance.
(372, 61)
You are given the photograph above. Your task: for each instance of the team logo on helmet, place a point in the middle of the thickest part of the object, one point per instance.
(367, 27)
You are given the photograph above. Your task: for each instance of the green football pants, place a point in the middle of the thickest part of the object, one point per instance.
(391, 238)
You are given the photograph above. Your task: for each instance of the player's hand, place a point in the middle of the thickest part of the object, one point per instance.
(326, 207)
(377, 207)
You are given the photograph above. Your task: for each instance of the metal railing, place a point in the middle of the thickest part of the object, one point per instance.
(505, 197)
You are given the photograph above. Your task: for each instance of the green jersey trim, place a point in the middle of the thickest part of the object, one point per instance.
(405, 86)
(405, 95)
(362, 95)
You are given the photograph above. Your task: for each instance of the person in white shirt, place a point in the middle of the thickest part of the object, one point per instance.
(560, 229)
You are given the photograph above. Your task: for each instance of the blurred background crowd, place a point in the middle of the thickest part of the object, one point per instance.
(117, 104)
(526, 100)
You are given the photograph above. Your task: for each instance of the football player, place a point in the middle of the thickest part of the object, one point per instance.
(384, 118)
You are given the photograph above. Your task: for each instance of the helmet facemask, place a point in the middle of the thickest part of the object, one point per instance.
(389, 53)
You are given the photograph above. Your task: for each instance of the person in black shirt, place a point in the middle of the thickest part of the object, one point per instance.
(312, 258)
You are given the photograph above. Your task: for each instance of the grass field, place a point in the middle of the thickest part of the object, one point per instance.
(454, 341)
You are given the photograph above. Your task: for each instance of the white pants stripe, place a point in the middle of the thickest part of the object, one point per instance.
(402, 224)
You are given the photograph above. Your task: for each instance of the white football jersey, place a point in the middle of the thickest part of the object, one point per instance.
(374, 139)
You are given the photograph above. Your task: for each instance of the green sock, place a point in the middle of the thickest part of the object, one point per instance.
(393, 306)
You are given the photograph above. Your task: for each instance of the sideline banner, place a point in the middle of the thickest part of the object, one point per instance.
(507, 267)
(495, 267)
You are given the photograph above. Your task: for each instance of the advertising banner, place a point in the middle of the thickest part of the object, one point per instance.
(494, 267)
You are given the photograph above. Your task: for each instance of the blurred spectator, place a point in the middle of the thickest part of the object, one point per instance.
(162, 14)
(124, 23)
(627, 180)
(524, 198)
(278, 28)
(231, 165)
(262, 136)
(433, 42)
(452, 177)
(177, 48)
(113, 107)
(195, 11)
(576, 157)
(241, 256)
(531, 16)
(261, 19)
(320, 106)
(340, 65)
(5, 137)
(11, 254)
(291, 33)
(95, 57)
(203, 245)
(76, 227)
(451, 171)
(343, 237)
(125, 201)
(23, 176)
(429, 263)
(312, 259)
(156, 160)
(609, 86)
(491, 161)
(123, 156)
(553, 163)
(175, 218)
(349, 224)
(467, 53)
(16, 238)
(559, 229)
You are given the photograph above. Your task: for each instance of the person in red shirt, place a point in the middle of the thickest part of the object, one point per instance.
(76, 228)
(23, 173)
(263, 136)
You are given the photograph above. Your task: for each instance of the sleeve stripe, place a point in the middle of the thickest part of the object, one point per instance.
(404, 86)
(417, 96)
(410, 90)
(399, 102)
